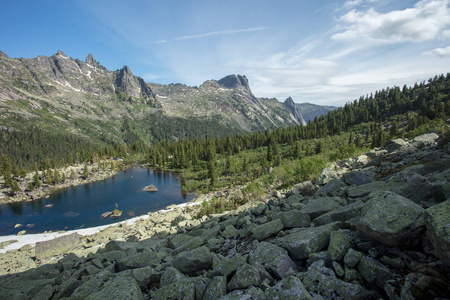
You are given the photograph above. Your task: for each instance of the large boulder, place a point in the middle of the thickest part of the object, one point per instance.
(321, 280)
(334, 187)
(438, 229)
(305, 188)
(246, 275)
(392, 220)
(56, 246)
(301, 244)
(319, 206)
(425, 140)
(374, 272)
(326, 175)
(193, 260)
(266, 230)
(217, 288)
(293, 218)
(122, 287)
(340, 243)
(275, 259)
(359, 178)
(343, 213)
(288, 288)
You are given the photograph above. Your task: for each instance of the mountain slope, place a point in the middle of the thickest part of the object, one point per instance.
(309, 111)
(67, 96)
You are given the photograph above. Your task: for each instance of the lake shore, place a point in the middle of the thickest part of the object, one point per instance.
(74, 177)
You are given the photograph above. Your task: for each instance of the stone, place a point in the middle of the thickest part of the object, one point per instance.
(118, 288)
(259, 209)
(216, 289)
(374, 272)
(266, 230)
(352, 258)
(365, 189)
(302, 243)
(246, 275)
(438, 230)
(322, 281)
(146, 276)
(211, 233)
(343, 213)
(319, 206)
(92, 284)
(424, 140)
(184, 289)
(332, 188)
(191, 244)
(394, 145)
(287, 289)
(179, 240)
(392, 220)
(274, 258)
(229, 231)
(326, 175)
(171, 275)
(340, 243)
(46, 293)
(359, 178)
(56, 246)
(228, 265)
(193, 260)
(305, 188)
(293, 218)
(67, 287)
(139, 260)
(150, 188)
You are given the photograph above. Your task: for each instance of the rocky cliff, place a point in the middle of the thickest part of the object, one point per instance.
(373, 227)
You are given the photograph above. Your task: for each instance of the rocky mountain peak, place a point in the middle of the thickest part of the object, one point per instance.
(3, 54)
(90, 59)
(60, 53)
(289, 103)
(234, 81)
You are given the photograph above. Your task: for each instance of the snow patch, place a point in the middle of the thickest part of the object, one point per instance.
(32, 239)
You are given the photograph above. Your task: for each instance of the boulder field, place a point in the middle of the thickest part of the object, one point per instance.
(374, 227)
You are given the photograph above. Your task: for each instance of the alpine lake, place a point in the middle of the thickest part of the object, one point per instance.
(82, 206)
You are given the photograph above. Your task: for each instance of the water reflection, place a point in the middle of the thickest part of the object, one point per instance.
(16, 208)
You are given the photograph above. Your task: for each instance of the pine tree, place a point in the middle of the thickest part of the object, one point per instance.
(15, 186)
(212, 172)
(86, 172)
(36, 180)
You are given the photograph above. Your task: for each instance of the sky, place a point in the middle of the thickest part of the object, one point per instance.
(322, 52)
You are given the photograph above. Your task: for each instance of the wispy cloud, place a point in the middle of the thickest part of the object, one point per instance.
(222, 32)
(160, 42)
(427, 20)
(438, 51)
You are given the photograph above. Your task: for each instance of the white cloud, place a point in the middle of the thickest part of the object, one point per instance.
(438, 51)
(427, 20)
(351, 3)
(222, 32)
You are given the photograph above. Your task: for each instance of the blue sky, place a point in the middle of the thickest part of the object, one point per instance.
(324, 52)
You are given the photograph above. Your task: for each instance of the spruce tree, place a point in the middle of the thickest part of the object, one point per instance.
(86, 172)
(15, 186)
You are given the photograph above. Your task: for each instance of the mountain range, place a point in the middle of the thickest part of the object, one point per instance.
(66, 95)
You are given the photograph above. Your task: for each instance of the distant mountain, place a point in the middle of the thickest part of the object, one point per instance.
(66, 96)
(309, 111)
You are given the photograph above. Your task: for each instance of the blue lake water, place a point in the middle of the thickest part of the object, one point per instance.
(82, 206)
